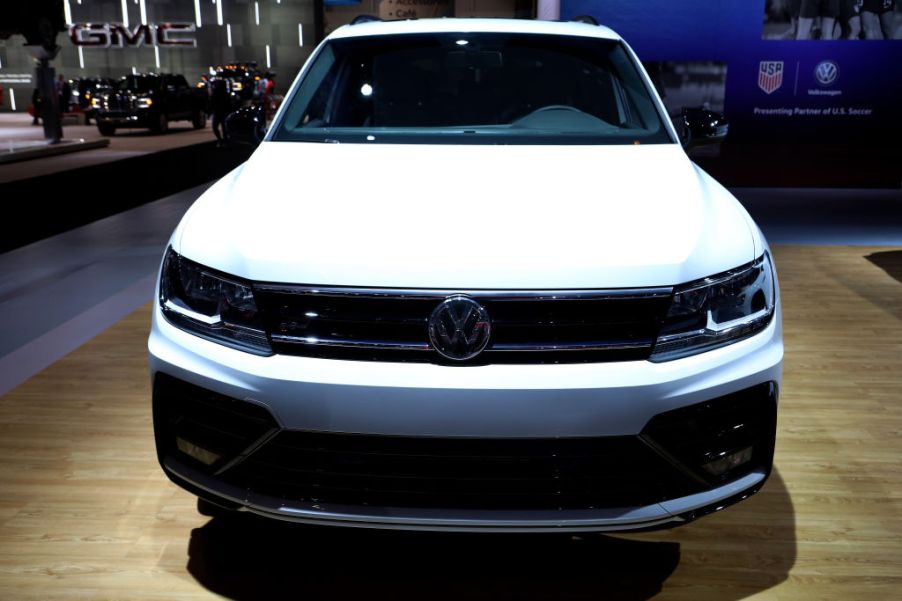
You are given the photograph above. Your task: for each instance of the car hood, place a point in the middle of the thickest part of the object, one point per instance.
(468, 217)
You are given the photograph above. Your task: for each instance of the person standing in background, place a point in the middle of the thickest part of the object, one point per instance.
(270, 107)
(36, 105)
(270, 83)
(64, 93)
(260, 87)
(220, 107)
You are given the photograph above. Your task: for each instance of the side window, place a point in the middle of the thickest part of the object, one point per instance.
(180, 81)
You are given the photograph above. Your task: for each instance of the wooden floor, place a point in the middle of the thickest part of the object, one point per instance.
(86, 513)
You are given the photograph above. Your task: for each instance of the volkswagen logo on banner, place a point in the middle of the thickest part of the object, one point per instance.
(826, 72)
(459, 328)
(770, 76)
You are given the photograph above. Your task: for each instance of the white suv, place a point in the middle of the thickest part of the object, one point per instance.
(469, 281)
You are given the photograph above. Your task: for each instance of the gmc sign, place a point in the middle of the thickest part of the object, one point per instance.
(104, 35)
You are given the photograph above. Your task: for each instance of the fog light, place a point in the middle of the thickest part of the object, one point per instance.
(727, 462)
(201, 454)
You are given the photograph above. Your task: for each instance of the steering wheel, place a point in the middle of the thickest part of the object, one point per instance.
(555, 107)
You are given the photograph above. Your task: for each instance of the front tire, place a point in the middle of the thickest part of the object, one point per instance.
(161, 126)
(199, 120)
(106, 129)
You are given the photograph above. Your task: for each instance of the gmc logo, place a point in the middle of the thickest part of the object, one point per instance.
(104, 35)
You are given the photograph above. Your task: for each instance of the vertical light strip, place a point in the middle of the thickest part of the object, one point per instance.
(125, 12)
(1, 63)
(12, 98)
(219, 12)
(268, 62)
(197, 12)
(229, 34)
(81, 57)
(156, 55)
(257, 12)
(134, 70)
(143, 13)
(301, 35)
(67, 12)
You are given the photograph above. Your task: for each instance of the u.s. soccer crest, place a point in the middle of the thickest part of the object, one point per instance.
(770, 76)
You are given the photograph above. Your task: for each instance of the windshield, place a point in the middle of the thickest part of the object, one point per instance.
(233, 73)
(473, 88)
(138, 83)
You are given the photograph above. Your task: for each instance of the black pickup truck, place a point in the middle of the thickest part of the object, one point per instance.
(149, 100)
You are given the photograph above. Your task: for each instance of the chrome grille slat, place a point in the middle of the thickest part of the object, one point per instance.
(339, 342)
(597, 346)
(440, 294)
(538, 326)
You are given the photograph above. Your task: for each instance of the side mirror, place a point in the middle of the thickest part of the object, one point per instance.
(246, 126)
(699, 126)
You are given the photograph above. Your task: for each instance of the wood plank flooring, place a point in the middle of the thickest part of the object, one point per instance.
(86, 513)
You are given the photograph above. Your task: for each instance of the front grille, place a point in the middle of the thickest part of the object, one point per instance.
(124, 103)
(460, 473)
(527, 327)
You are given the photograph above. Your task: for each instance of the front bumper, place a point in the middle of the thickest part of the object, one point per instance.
(374, 401)
(136, 118)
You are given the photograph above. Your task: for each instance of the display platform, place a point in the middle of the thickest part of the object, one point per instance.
(54, 194)
(85, 511)
(16, 130)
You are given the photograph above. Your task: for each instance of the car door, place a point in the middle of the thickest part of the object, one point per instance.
(176, 93)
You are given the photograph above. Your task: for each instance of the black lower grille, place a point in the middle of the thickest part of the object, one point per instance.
(527, 327)
(224, 427)
(461, 473)
(700, 435)
(665, 461)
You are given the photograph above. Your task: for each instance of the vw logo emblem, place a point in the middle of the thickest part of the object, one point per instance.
(826, 72)
(459, 328)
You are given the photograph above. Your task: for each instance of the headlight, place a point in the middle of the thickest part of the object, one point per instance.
(143, 103)
(95, 102)
(211, 305)
(717, 311)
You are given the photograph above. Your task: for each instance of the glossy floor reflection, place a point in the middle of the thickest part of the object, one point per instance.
(747, 549)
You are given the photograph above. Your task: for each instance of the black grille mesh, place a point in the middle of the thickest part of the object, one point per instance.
(214, 422)
(461, 473)
(663, 462)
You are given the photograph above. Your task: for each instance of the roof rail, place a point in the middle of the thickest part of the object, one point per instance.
(364, 19)
(584, 19)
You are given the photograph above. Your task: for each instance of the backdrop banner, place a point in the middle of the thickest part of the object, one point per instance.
(835, 85)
